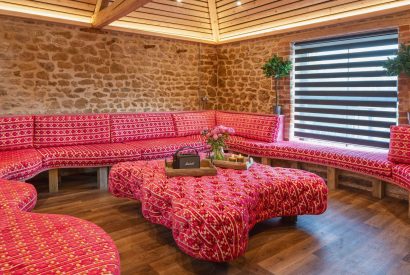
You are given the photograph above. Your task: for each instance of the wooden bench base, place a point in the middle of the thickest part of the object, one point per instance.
(102, 178)
(54, 179)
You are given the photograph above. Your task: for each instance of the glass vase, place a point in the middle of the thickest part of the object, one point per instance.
(218, 153)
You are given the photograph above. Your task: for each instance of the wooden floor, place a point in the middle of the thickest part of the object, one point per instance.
(357, 235)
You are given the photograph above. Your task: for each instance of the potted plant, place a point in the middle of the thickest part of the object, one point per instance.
(276, 68)
(399, 65)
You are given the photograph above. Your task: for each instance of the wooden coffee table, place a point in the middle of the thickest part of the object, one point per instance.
(210, 217)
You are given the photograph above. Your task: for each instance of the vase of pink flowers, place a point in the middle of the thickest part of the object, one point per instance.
(216, 138)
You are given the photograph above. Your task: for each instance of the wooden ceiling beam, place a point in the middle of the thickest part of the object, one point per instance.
(115, 11)
(213, 15)
(99, 5)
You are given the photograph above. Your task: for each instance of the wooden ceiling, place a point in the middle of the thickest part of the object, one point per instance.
(210, 21)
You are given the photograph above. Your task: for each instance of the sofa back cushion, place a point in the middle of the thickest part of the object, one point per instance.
(193, 123)
(16, 132)
(130, 127)
(268, 128)
(399, 151)
(62, 130)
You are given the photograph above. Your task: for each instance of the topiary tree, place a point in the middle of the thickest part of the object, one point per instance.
(276, 68)
(399, 64)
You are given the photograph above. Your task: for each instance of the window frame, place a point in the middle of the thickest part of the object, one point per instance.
(292, 135)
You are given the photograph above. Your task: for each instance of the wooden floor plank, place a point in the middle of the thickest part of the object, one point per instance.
(357, 232)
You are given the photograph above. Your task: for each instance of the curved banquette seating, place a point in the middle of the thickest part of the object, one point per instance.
(33, 243)
(31, 144)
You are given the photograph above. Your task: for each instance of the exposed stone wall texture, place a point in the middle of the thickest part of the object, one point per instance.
(53, 68)
(242, 86)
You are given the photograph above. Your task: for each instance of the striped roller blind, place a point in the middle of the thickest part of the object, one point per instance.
(342, 93)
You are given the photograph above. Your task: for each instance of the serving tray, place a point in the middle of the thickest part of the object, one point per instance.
(245, 165)
(206, 169)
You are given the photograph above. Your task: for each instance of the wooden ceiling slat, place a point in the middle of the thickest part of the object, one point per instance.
(69, 4)
(281, 12)
(163, 30)
(174, 15)
(154, 17)
(165, 24)
(245, 4)
(249, 6)
(49, 7)
(92, 2)
(271, 22)
(194, 2)
(181, 5)
(221, 3)
(180, 10)
(256, 10)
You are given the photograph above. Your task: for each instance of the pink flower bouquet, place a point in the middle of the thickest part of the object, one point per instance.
(216, 139)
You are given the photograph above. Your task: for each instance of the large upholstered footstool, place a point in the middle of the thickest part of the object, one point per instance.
(210, 217)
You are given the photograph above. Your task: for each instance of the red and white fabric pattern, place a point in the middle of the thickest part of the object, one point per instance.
(90, 155)
(401, 175)
(131, 127)
(399, 151)
(165, 147)
(54, 244)
(64, 130)
(49, 244)
(125, 180)
(16, 132)
(17, 195)
(193, 123)
(20, 164)
(369, 163)
(266, 128)
(211, 217)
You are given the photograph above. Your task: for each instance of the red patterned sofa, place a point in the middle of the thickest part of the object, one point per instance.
(49, 244)
(31, 144)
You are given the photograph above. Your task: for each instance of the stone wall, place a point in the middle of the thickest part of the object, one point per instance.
(52, 68)
(242, 86)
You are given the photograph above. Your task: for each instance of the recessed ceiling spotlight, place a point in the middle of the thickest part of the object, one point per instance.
(179, 1)
(238, 3)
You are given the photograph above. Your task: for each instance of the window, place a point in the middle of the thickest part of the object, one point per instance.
(341, 91)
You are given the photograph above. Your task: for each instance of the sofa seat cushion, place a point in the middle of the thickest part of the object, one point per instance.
(366, 162)
(249, 146)
(64, 130)
(399, 150)
(370, 163)
(193, 123)
(91, 155)
(132, 127)
(33, 243)
(17, 195)
(16, 132)
(20, 164)
(401, 175)
(267, 128)
(165, 147)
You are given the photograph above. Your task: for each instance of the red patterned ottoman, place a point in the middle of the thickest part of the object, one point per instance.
(211, 217)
